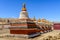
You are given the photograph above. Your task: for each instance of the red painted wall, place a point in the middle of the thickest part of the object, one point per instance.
(23, 31)
(56, 26)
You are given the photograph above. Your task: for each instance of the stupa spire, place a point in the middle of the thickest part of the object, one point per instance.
(39, 20)
(34, 18)
(23, 13)
(24, 7)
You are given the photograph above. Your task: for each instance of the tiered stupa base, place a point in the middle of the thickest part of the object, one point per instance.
(27, 33)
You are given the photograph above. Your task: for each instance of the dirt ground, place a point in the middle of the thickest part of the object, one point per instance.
(53, 35)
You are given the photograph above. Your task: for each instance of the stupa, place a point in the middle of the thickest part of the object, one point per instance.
(24, 26)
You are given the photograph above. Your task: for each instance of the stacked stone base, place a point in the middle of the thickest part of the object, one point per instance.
(23, 35)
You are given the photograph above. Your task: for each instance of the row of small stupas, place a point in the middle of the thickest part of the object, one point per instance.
(27, 27)
(8, 20)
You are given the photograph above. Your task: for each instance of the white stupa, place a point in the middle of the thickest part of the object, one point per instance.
(23, 13)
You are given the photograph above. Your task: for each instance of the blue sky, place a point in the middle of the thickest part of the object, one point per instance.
(48, 9)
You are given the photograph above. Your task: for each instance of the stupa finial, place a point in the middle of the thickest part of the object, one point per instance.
(24, 7)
